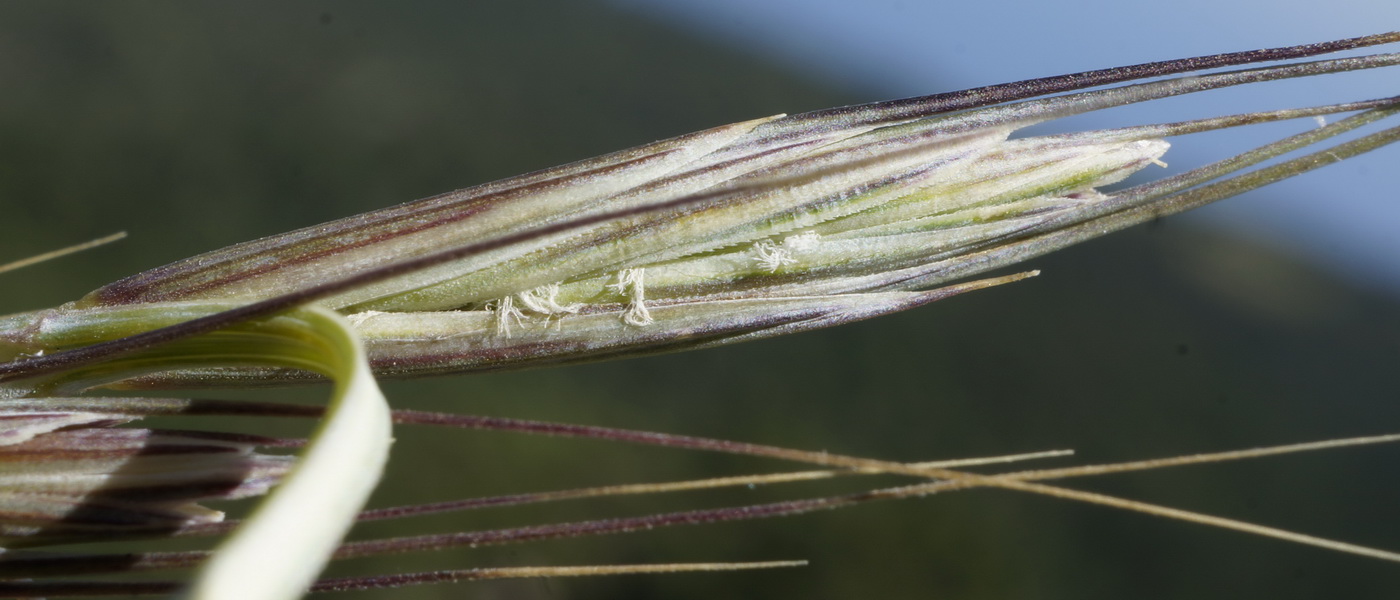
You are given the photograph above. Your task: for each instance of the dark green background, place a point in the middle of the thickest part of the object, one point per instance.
(196, 125)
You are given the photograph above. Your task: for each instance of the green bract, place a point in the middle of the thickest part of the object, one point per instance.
(745, 231)
(816, 210)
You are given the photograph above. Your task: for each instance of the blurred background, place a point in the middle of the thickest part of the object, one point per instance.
(194, 125)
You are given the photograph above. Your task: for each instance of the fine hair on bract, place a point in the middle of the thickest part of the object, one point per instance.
(776, 225)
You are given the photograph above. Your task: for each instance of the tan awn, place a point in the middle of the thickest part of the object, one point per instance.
(745, 231)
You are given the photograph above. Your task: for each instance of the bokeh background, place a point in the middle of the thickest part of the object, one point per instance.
(194, 125)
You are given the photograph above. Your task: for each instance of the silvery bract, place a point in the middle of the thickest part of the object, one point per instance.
(748, 230)
(755, 229)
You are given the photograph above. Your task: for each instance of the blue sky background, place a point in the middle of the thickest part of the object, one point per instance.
(1345, 217)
